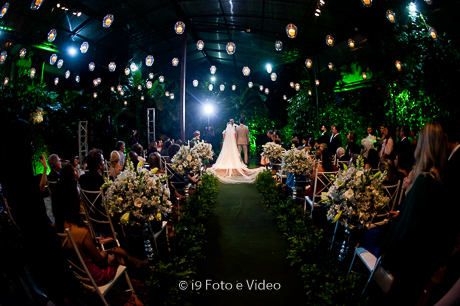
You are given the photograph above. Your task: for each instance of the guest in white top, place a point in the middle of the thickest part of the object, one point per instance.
(121, 149)
(387, 143)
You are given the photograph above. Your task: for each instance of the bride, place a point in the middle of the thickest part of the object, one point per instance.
(229, 167)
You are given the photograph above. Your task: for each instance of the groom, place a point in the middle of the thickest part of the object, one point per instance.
(242, 139)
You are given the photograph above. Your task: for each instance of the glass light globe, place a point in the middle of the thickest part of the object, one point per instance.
(364, 76)
(250, 84)
(161, 78)
(308, 63)
(4, 55)
(167, 93)
(175, 61)
(60, 63)
(195, 83)
(171, 96)
(329, 40)
(398, 65)
(213, 69)
(56, 81)
(233, 87)
(278, 45)
(330, 66)
(149, 60)
(122, 92)
(273, 76)
(91, 66)
(231, 48)
(119, 88)
(139, 87)
(433, 33)
(179, 27)
(127, 70)
(430, 2)
(67, 74)
(246, 71)
(126, 102)
(261, 87)
(200, 45)
(267, 91)
(309, 92)
(292, 84)
(151, 75)
(367, 3)
(351, 43)
(317, 82)
(6, 80)
(112, 66)
(210, 87)
(291, 30)
(52, 35)
(32, 73)
(22, 52)
(142, 98)
(112, 88)
(269, 68)
(95, 83)
(95, 95)
(84, 47)
(284, 97)
(133, 66)
(4, 9)
(391, 16)
(108, 20)
(99, 80)
(53, 59)
(149, 84)
(77, 79)
(297, 86)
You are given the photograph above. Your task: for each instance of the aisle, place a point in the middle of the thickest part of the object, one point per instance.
(244, 246)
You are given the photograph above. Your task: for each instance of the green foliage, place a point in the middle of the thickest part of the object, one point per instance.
(324, 282)
(189, 237)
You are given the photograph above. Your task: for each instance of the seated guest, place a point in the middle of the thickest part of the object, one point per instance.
(178, 142)
(134, 158)
(151, 147)
(154, 161)
(121, 152)
(55, 165)
(352, 147)
(115, 168)
(93, 180)
(341, 157)
(353, 160)
(102, 265)
(164, 150)
(75, 162)
(160, 146)
(139, 151)
(402, 165)
(304, 142)
(387, 142)
(387, 165)
(68, 172)
(420, 238)
(372, 160)
(318, 153)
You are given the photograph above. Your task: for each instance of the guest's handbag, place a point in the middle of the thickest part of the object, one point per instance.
(384, 279)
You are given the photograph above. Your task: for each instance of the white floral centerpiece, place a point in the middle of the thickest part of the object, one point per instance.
(186, 160)
(204, 150)
(356, 196)
(272, 151)
(136, 197)
(297, 161)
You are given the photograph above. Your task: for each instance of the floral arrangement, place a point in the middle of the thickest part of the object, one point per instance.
(136, 197)
(186, 160)
(272, 151)
(204, 150)
(356, 196)
(297, 162)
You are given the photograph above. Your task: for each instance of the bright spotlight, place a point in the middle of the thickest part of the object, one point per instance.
(208, 109)
(269, 68)
(213, 79)
(72, 51)
(412, 7)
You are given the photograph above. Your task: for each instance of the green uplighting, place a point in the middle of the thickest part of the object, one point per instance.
(352, 78)
(46, 48)
(6, 29)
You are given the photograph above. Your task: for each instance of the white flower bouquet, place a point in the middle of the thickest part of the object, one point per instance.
(272, 151)
(136, 197)
(204, 150)
(186, 160)
(356, 196)
(297, 162)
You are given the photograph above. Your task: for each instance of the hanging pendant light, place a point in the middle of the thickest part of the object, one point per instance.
(391, 16)
(317, 82)
(91, 66)
(433, 33)
(5, 81)
(351, 43)
(56, 81)
(430, 2)
(77, 79)
(213, 69)
(22, 52)
(161, 79)
(60, 63)
(231, 48)
(149, 84)
(233, 87)
(133, 66)
(112, 88)
(52, 35)
(167, 93)
(53, 59)
(119, 88)
(127, 70)
(142, 98)
(67, 74)
(108, 20)
(297, 86)
(32, 73)
(267, 91)
(95, 95)
(292, 84)
(284, 97)
(122, 92)
(250, 84)
(171, 96)
(200, 45)
(278, 45)
(95, 83)
(175, 61)
(4, 9)
(246, 71)
(210, 87)
(139, 87)
(309, 92)
(291, 30)
(179, 27)
(273, 76)
(99, 80)
(222, 87)
(269, 68)
(112, 66)
(149, 60)
(36, 4)
(261, 87)
(126, 102)
(364, 76)
(151, 75)
(3, 57)
(329, 40)
(398, 65)
(84, 47)
(367, 3)
(195, 83)
(308, 63)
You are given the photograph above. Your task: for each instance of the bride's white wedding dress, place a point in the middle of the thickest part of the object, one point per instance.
(229, 167)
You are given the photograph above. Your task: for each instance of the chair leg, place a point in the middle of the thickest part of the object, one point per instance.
(104, 301)
(129, 282)
(352, 262)
(333, 236)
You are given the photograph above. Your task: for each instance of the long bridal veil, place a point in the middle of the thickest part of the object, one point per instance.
(229, 168)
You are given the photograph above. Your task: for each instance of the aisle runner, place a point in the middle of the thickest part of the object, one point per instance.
(245, 255)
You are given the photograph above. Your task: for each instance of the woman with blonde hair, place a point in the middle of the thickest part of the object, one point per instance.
(115, 167)
(420, 237)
